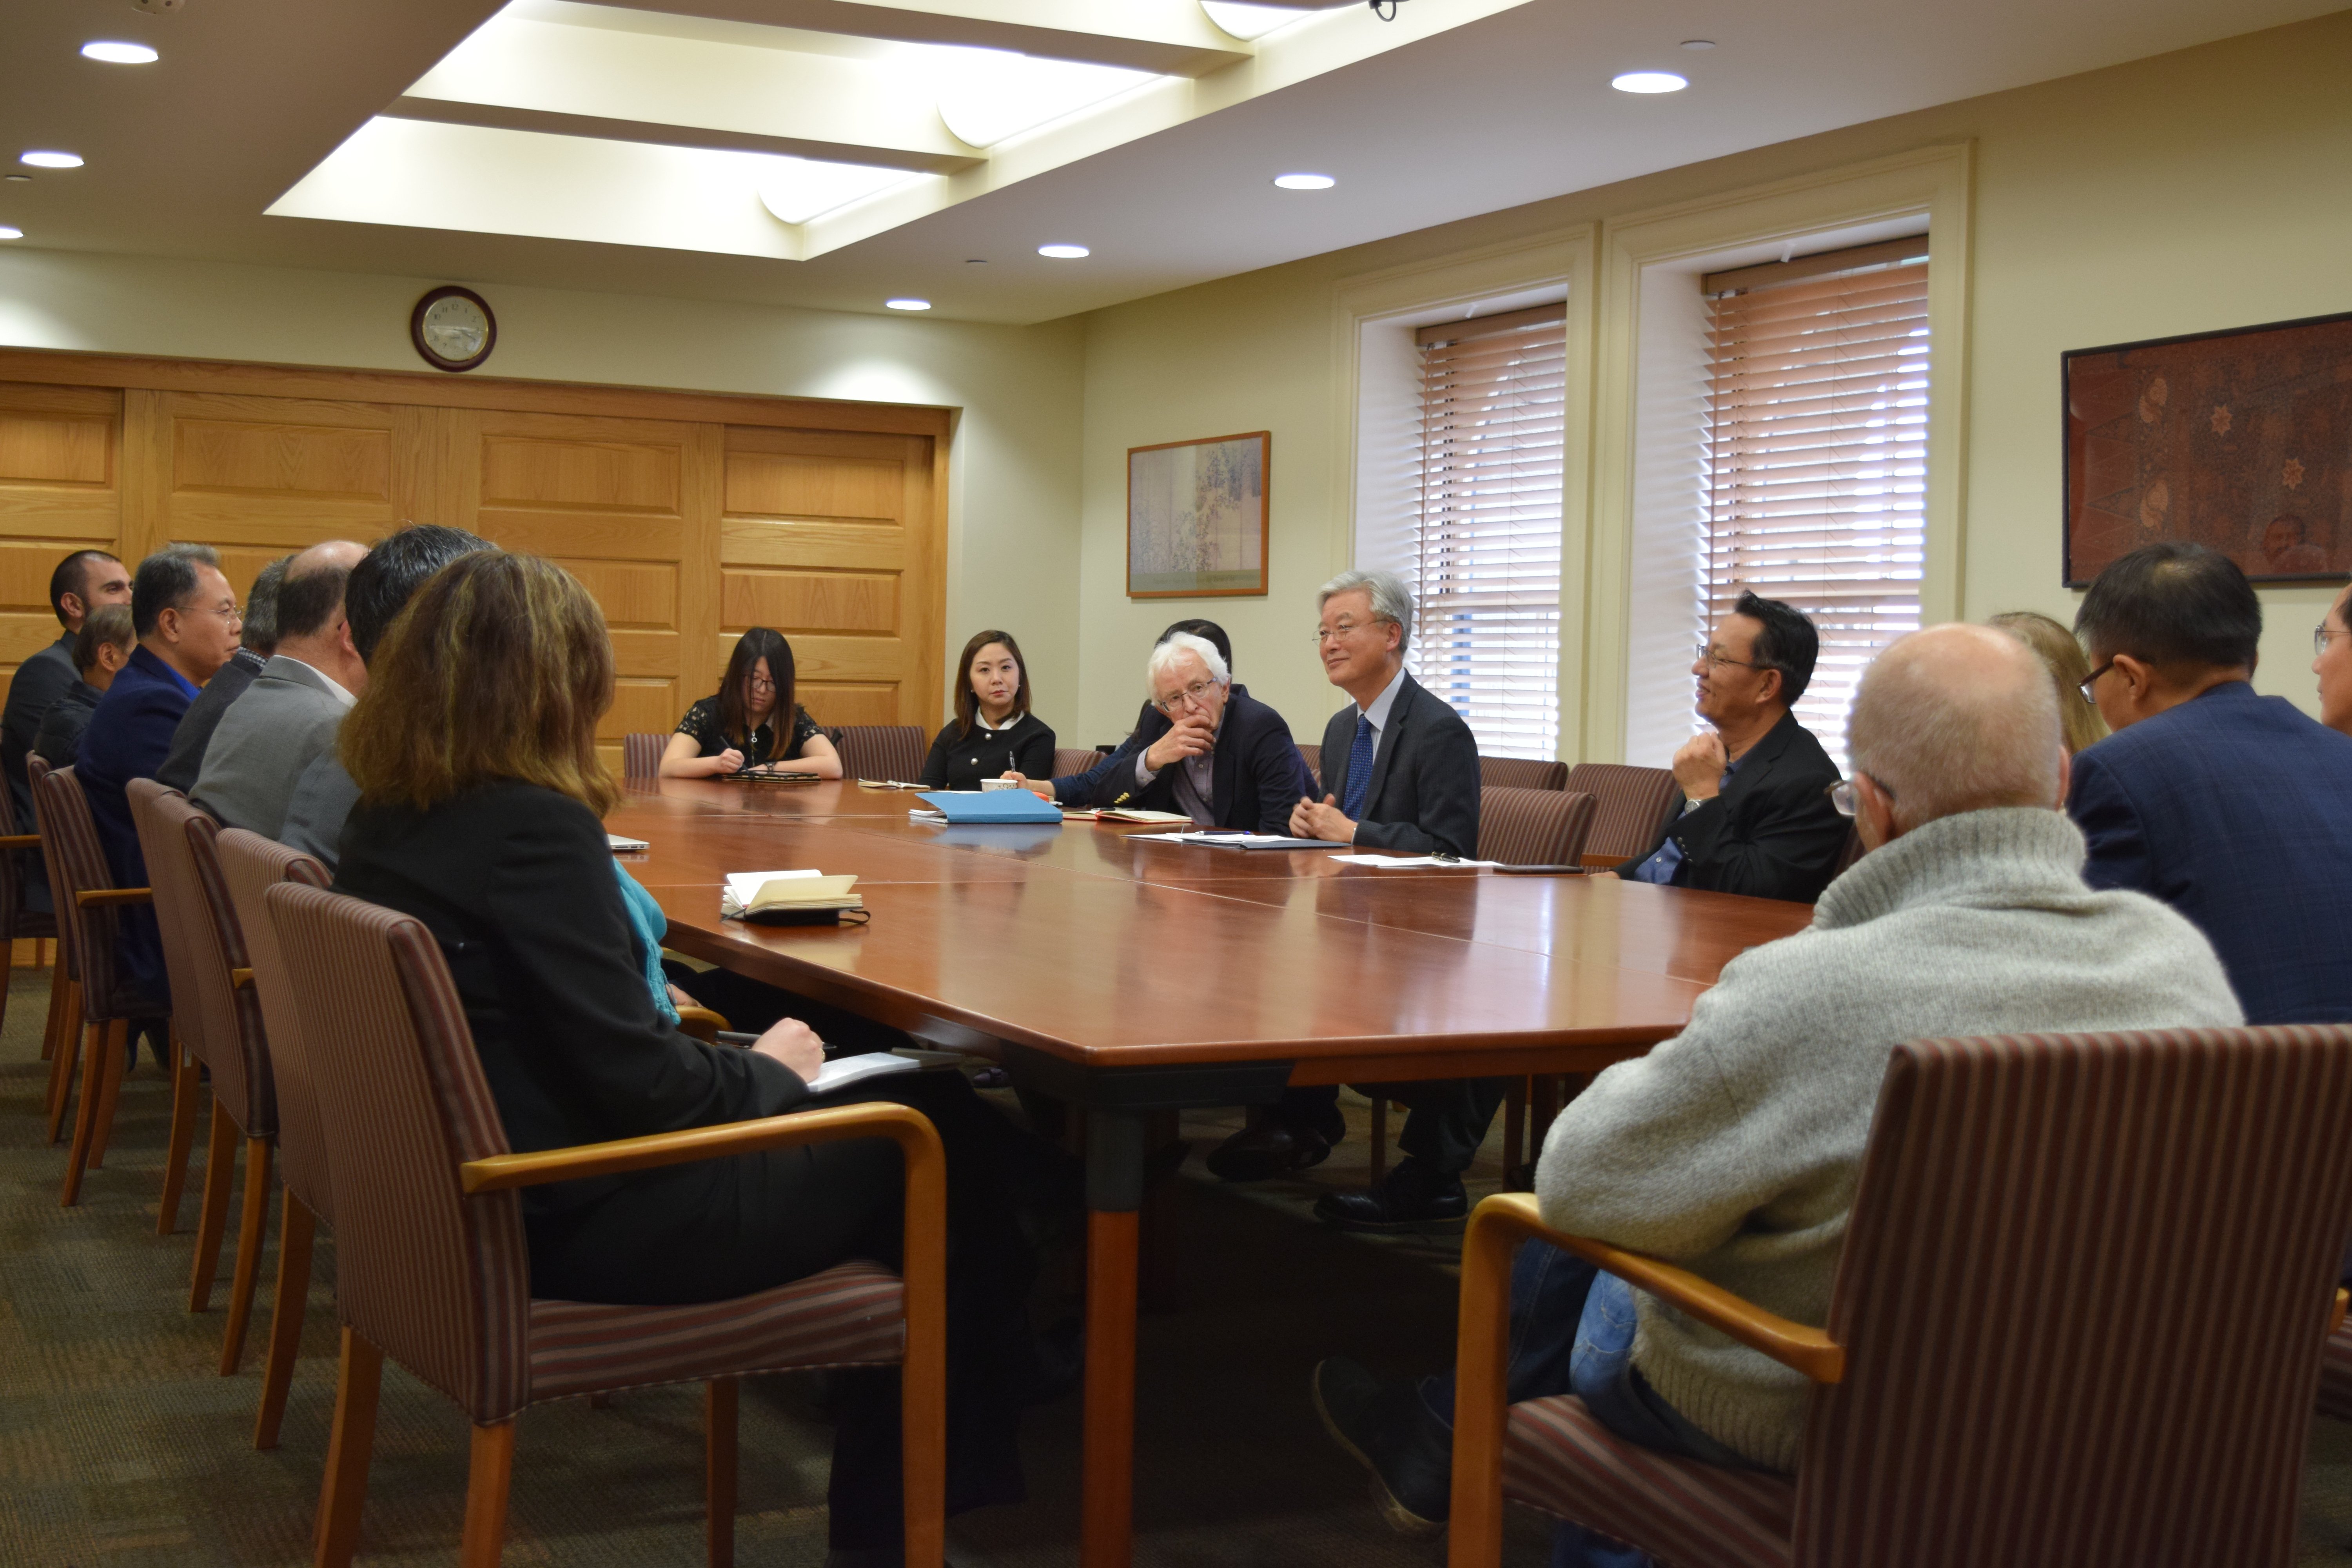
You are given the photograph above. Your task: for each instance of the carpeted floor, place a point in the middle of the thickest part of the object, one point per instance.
(120, 1446)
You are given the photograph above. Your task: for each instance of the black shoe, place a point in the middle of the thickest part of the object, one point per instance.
(1412, 1197)
(1272, 1148)
(1389, 1430)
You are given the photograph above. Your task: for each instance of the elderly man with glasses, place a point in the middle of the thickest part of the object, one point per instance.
(2331, 647)
(1226, 760)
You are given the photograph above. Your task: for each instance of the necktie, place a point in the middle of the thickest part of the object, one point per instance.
(1360, 770)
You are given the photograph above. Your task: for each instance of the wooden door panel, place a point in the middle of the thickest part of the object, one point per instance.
(816, 601)
(583, 473)
(837, 702)
(259, 458)
(59, 492)
(747, 542)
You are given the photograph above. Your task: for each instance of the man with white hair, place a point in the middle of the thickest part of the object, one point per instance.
(1733, 1149)
(1227, 760)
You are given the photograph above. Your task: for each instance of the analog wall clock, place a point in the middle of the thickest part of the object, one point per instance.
(453, 328)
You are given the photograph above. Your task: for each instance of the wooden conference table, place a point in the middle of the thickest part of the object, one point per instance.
(1129, 978)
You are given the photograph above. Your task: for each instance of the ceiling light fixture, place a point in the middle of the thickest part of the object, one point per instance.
(20, 179)
(1246, 19)
(51, 160)
(908, 304)
(1064, 252)
(8, 232)
(1649, 81)
(1305, 182)
(986, 95)
(115, 53)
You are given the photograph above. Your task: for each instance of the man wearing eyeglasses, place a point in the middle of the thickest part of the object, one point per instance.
(2234, 808)
(187, 620)
(1226, 760)
(1756, 813)
(2332, 662)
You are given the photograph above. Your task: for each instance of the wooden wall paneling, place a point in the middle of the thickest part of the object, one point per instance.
(60, 458)
(146, 472)
(702, 659)
(829, 537)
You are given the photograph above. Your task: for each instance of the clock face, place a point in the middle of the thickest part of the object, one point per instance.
(456, 328)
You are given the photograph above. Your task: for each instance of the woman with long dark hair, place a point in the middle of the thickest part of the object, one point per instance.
(752, 720)
(994, 733)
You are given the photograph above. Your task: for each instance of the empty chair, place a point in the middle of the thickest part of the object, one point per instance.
(1067, 762)
(882, 751)
(1521, 772)
(248, 866)
(432, 1270)
(1994, 1384)
(1313, 756)
(1633, 807)
(641, 755)
(1533, 826)
(109, 1003)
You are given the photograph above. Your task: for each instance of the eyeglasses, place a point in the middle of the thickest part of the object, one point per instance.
(1196, 692)
(2091, 680)
(761, 683)
(2321, 632)
(1841, 793)
(1342, 629)
(1709, 658)
(230, 614)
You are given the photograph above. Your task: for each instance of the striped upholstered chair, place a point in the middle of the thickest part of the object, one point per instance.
(248, 865)
(431, 1270)
(2336, 1374)
(882, 751)
(2078, 1318)
(1521, 772)
(63, 1038)
(18, 844)
(641, 755)
(1067, 762)
(1313, 756)
(1533, 826)
(1635, 805)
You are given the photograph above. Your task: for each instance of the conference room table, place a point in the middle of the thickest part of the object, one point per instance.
(1128, 977)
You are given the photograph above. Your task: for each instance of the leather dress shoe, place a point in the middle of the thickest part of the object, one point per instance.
(1389, 1430)
(1412, 1197)
(1272, 1148)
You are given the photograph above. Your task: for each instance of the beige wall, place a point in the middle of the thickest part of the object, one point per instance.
(1013, 506)
(2207, 189)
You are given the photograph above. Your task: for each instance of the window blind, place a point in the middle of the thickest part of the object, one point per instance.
(1485, 538)
(1817, 457)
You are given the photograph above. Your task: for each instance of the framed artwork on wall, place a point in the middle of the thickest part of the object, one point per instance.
(1196, 517)
(2239, 439)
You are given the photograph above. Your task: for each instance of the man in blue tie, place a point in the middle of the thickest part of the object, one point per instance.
(1401, 772)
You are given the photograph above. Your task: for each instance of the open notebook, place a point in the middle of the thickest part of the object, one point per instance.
(782, 897)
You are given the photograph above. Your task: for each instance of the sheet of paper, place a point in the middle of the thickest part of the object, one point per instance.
(745, 885)
(842, 1071)
(1405, 862)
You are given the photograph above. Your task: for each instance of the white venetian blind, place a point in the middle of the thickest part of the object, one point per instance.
(1818, 453)
(1486, 536)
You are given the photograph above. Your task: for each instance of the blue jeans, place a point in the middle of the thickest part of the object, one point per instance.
(1572, 1333)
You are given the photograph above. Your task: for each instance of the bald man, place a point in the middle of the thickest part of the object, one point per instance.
(1733, 1148)
(291, 713)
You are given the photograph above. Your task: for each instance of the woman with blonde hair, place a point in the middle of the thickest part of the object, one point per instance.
(2078, 722)
(481, 797)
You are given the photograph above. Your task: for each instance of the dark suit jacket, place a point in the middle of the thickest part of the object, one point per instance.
(1258, 774)
(516, 883)
(33, 690)
(185, 759)
(1772, 833)
(127, 738)
(1424, 791)
(59, 741)
(321, 804)
(2236, 810)
(957, 760)
(1151, 723)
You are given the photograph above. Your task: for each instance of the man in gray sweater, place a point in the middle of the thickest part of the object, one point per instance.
(1733, 1149)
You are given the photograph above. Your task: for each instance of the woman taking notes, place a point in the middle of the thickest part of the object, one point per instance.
(752, 721)
(479, 815)
(994, 733)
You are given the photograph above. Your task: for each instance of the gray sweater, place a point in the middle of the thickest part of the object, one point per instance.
(1733, 1149)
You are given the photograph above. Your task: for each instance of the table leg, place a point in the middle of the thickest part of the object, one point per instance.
(1115, 1142)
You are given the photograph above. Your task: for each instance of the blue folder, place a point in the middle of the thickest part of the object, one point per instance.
(993, 806)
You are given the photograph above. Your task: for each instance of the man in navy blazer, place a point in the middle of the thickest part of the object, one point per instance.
(1078, 789)
(185, 617)
(2235, 809)
(1223, 759)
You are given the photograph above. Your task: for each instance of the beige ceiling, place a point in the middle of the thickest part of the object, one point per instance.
(585, 146)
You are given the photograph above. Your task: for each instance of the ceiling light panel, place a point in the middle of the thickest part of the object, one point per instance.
(112, 53)
(1250, 21)
(987, 96)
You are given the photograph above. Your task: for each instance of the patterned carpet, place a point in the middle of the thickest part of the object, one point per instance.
(120, 1446)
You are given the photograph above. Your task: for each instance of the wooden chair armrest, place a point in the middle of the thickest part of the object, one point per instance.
(20, 841)
(1480, 1404)
(701, 1023)
(909, 1128)
(2336, 1312)
(105, 898)
(240, 979)
(1603, 862)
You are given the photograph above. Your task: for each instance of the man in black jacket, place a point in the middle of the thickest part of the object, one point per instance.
(1757, 817)
(1223, 759)
(1078, 789)
(82, 582)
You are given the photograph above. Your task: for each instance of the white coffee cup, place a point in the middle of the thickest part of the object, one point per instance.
(1001, 783)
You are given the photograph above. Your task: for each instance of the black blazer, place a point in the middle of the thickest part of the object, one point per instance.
(1257, 778)
(1027, 748)
(1772, 833)
(517, 884)
(1424, 793)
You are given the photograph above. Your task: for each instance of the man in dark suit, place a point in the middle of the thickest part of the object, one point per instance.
(2332, 662)
(257, 641)
(1151, 723)
(1223, 759)
(1401, 772)
(185, 618)
(2235, 809)
(1757, 817)
(82, 582)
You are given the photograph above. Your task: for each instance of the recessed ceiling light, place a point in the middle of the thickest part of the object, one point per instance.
(8, 232)
(118, 54)
(52, 160)
(1064, 252)
(20, 179)
(1698, 43)
(1305, 182)
(1649, 81)
(908, 304)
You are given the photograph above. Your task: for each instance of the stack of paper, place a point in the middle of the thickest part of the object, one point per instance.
(1233, 840)
(1405, 862)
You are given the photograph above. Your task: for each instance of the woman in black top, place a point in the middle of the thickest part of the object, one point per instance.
(994, 733)
(744, 725)
(480, 795)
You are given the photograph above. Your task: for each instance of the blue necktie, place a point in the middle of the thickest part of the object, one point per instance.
(1360, 771)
